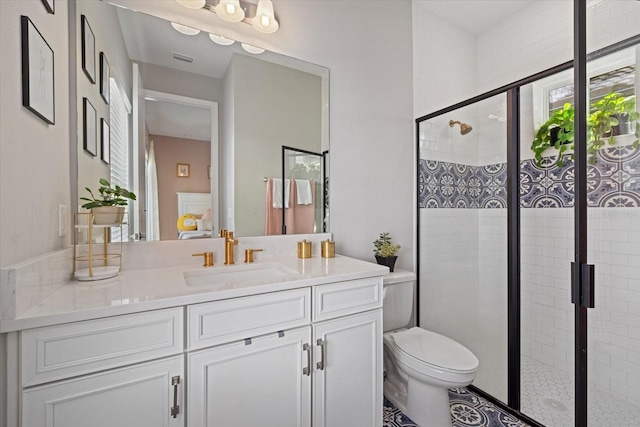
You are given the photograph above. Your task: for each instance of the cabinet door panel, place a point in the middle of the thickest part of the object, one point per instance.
(137, 396)
(348, 389)
(247, 385)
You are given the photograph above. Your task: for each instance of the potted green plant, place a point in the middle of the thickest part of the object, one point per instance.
(556, 132)
(386, 252)
(108, 207)
(606, 116)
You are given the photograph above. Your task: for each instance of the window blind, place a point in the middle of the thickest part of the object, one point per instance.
(119, 112)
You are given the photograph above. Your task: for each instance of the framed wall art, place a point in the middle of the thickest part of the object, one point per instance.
(37, 72)
(182, 170)
(89, 129)
(50, 5)
(105, 141)
(88, 50)
(104, 77)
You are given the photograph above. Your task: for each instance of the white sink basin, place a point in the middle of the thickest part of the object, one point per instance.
(238, 275)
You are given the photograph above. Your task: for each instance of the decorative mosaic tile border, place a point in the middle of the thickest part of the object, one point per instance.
(613, 181)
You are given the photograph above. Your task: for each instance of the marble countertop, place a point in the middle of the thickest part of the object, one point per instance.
(135, 291)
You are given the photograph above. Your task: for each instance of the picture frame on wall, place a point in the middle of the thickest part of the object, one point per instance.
(88, 50)
(105, 141)
(38, 94)
(50, 5)
(89, 122)
(182, 170)
(104, 77)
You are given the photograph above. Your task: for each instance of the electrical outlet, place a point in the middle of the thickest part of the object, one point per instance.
(62, 220)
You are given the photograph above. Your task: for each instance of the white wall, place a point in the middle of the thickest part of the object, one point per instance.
(368, 49)
(34, 156)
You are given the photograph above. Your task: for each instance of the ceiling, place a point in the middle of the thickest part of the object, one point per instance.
(473, 16)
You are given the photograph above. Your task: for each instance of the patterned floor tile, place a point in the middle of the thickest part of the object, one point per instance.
(467, 410)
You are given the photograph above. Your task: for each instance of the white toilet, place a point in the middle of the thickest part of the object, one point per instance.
(419, 365)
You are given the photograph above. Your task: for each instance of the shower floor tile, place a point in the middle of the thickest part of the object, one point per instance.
(467, 409)
(547, 397)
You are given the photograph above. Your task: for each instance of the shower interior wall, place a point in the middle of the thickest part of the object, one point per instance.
(463, 251)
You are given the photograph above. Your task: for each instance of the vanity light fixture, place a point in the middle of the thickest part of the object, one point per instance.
(221, 40)
(229, 10)
(264, 20)
(252, 49)
(190, 31)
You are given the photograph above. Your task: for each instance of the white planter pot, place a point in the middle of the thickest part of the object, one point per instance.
(108, 215)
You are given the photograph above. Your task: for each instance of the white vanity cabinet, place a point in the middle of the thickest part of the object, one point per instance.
(347, 333)
(124, 370)
(144, 395)
(302, 357)
(254, 375)
(258, 384)
(317, 364)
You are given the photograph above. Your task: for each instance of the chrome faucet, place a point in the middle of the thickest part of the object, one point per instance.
(229, 243)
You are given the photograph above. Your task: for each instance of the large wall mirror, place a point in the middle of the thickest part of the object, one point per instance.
(201, 126)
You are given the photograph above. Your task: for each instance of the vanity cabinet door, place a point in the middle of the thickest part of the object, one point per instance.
(264, 383)
(348, 371)
(143, 395)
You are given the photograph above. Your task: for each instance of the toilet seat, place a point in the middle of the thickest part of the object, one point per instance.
(421, 347)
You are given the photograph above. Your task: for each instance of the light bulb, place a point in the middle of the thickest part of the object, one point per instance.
(265, 20)
(230, 10)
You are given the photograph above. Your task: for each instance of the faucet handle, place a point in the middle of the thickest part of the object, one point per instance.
(222, 233)
(248, 254)
(208, 258)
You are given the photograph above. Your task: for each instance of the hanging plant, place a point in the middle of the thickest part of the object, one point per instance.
(606, 114)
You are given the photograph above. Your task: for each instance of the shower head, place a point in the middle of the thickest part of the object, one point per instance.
(464, 128)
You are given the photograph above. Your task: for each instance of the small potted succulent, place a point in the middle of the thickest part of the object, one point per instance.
(386, 252)
(108, 207)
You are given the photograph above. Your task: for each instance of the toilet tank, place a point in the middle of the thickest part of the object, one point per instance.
(397, 299)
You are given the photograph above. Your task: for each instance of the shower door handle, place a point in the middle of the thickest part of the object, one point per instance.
(583, 284)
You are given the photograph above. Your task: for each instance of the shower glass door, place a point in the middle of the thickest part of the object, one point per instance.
(613, 218)
(306, 170)
(547, 243)
(463, 234)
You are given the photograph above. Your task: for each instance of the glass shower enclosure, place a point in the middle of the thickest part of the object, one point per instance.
(500, 228)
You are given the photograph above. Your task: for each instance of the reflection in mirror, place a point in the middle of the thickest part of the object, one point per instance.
(224, 113)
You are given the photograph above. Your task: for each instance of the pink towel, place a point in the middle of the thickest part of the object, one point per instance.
(300, 219)
(304, 216)
(273, 222)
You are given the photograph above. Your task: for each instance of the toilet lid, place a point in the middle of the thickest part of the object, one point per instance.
(435, 349)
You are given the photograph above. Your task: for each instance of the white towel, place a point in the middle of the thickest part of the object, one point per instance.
(277, 193)
(304, 191)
